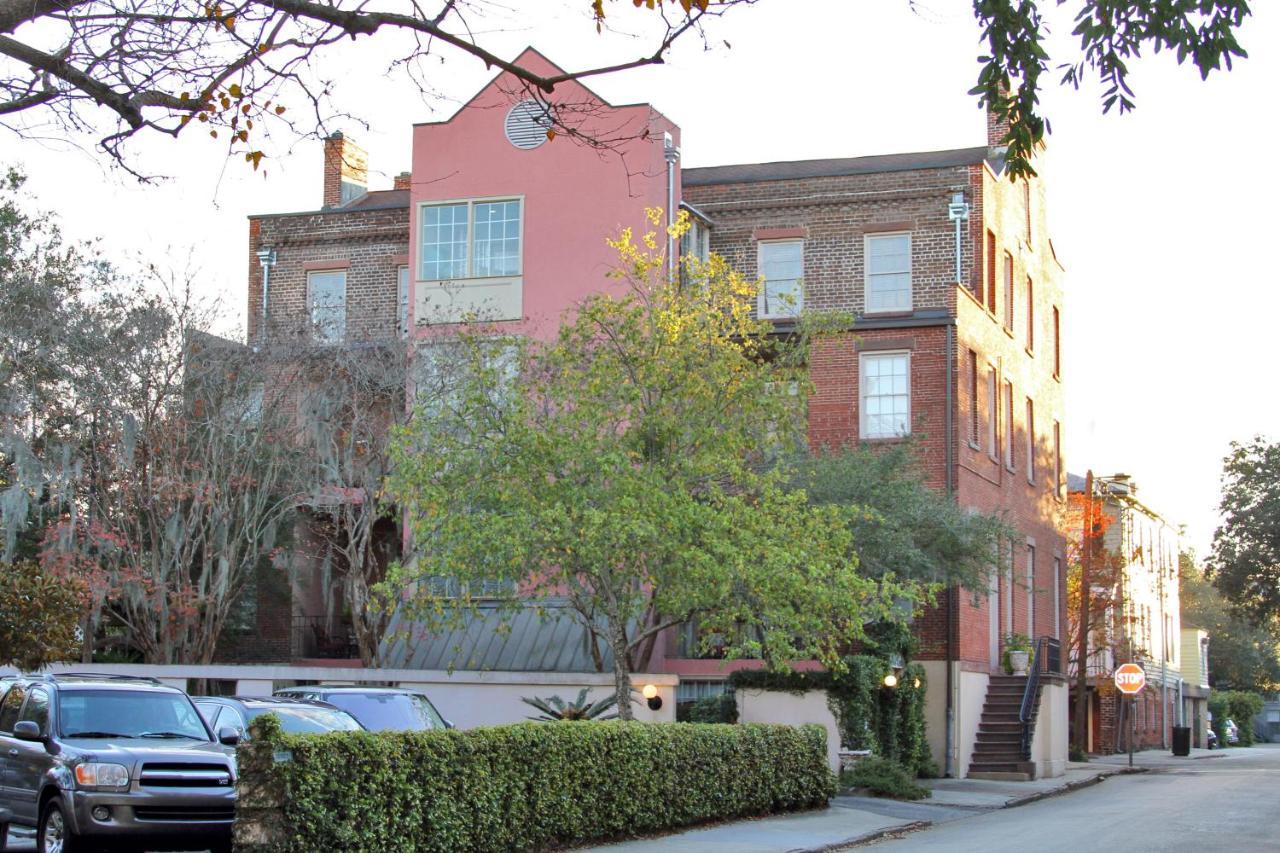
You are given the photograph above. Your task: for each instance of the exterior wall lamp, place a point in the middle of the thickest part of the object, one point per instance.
(651, 697)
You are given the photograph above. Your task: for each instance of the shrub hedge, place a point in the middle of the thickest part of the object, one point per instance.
(520, 787)
(710, 709)
(1240, 706)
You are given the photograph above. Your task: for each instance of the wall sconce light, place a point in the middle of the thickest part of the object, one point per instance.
(651, 697)
(891, 680)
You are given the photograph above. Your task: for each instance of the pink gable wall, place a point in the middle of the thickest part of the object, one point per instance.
(574, 196)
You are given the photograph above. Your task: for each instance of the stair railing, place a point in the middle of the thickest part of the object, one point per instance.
(1047, 658)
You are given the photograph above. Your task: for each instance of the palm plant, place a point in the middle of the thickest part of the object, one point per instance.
(554, 708)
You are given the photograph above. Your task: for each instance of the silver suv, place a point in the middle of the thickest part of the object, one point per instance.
(94, 761)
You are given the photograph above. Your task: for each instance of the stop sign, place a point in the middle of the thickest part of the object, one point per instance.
(1130, 678)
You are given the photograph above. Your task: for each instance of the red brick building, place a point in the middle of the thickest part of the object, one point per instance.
(946, 264)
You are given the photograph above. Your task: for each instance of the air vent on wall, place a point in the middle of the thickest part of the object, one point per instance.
(527, 124)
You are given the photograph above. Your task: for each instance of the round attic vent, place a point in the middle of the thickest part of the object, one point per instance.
(527, 124)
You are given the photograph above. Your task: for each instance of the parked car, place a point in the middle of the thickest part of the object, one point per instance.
(297, 716)
(92, 761)
(1212, 741)
(1231, 731)
(377, 708)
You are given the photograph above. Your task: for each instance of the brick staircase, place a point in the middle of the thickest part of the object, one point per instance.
(998, 751)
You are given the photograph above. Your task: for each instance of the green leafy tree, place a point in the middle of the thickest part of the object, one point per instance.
(39, 616)
(626, 469)
(1245, 561)
(1242, 655)
(906, 528)
(229, 68)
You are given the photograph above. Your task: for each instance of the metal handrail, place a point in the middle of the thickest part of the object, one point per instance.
(1047, 658)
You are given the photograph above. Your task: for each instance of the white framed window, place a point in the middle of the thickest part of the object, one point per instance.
(479, 238)
(1031, 591)
(1057, 459)
(993, 413)
(697, 240)
(1008, 425)
(1008, 291)
(1057, 597)
(327, 299)
(885, 394)
(781, 264)
(888, 276)
(402, 301)
(1031, 441)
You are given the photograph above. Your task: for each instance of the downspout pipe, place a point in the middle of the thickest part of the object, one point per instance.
(267, 258)
(953, 591)
(671, 154)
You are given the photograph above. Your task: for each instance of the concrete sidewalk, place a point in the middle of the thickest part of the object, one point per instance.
(852, 820)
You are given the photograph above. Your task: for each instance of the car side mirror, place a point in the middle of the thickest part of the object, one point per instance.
(228, 736)
(27, 730)
(448, 724)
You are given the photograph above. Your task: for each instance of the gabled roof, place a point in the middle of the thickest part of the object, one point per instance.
(833, 167)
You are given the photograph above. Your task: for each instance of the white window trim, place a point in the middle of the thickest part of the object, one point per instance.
(471, 236)
(862, 394)
(867, 240)
(760, 297)
(1030, 449)
(1009, 438)
(311, 305)
(993, 413)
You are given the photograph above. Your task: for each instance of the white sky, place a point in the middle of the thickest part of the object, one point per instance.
(1162, 217)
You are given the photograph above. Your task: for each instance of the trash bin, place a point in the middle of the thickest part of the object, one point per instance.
(1182, 740)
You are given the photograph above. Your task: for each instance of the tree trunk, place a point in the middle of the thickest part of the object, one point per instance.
(621, 674)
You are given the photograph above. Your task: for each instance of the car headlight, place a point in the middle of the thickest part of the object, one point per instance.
(93, 775)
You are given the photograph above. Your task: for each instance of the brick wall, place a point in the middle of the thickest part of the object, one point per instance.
(369, 244)
(834, 214)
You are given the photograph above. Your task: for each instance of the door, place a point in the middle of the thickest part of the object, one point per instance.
(993, 616)
(10, 707)
(33, 760)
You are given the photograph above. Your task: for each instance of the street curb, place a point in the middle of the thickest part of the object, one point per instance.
(868, 838)
(1073, 786)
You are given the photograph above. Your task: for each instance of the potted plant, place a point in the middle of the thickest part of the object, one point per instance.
(1017, 654)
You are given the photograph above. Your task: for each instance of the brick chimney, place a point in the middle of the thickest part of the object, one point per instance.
(346, 170)
(402, 181)
(997, 128)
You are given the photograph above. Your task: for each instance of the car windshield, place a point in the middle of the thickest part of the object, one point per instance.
(306, 721)
(128, 713)
(388, 711)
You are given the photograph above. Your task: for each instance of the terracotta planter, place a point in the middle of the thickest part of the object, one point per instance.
(1018, 662)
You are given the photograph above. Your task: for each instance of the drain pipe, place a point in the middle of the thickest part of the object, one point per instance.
(267, 258)
(671, 154)
(953, 591)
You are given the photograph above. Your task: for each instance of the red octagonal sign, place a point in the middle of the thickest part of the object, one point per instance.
(1130, 678)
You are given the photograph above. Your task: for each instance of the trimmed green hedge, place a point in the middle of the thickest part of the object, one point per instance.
(519, 787)
(1241, 706)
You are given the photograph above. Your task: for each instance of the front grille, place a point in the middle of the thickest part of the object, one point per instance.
(184, 814)
(178, 775)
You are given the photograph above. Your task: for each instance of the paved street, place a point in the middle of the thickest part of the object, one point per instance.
(1225, 803)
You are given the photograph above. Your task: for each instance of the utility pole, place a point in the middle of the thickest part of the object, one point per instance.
(1082, 675)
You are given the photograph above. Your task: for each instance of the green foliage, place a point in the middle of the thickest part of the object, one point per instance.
(1017, 643)
(554, 708)
(520, 787)
(709, 709)
(1245, 563)
(1239, 706)
(888, 721)
(1111, 34)
(1242, 655)
(624, 468)
(883, 777)
(39, 615)
(905, 527)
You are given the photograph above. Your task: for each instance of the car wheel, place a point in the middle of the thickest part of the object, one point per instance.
(54, 834)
